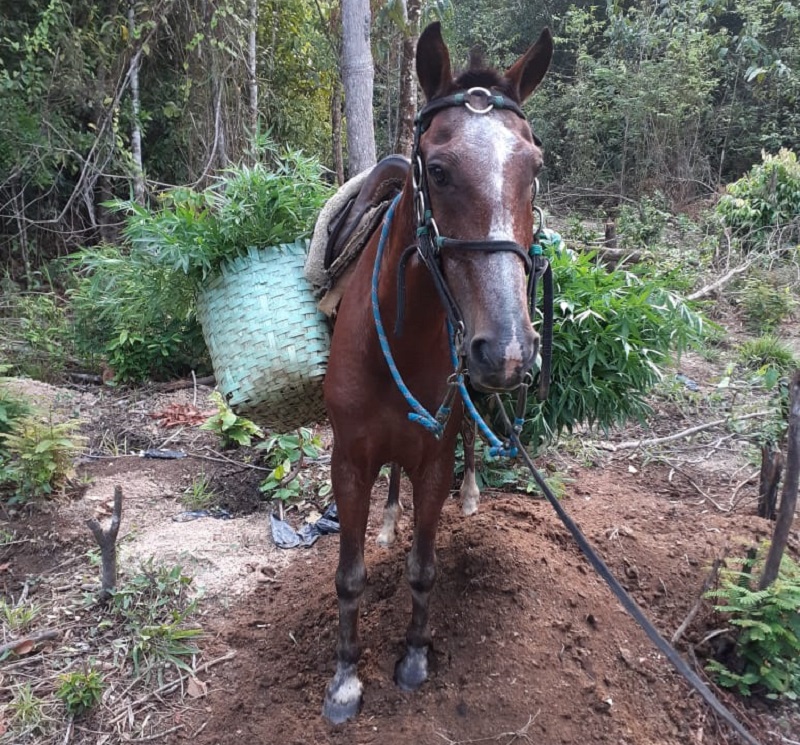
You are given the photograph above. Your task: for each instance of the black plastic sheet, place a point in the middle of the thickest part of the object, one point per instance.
(285, 536)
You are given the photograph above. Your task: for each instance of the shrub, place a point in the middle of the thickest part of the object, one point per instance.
(765, 303)
(233, 430)
(766, 623)
(767, 352)
(80, 691)
(284, 453)
(613, 332)
(765, 203)
(136, 314)
(40, 457)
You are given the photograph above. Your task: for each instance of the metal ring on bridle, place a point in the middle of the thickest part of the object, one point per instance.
(483, 92)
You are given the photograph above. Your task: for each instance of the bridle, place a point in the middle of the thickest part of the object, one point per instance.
(429, 245)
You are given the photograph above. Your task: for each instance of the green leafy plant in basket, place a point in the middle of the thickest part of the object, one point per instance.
(196, 232)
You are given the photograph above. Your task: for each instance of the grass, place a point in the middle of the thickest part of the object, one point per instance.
(199, 495)
(767, 351)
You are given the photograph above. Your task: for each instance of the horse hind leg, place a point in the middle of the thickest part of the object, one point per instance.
(470, 493)
(392, 511)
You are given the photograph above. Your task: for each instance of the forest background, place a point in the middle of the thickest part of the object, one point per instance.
(668, 100)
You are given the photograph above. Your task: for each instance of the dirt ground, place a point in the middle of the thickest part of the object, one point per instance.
(528, 641)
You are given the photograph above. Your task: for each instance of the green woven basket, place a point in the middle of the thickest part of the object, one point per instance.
(268, 342)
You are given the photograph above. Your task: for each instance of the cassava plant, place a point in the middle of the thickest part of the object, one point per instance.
(613, 333)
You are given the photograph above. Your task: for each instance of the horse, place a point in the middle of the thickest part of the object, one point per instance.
(442, 287)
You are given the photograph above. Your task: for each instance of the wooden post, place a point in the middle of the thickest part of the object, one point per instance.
(771, 468)
(107, 540)
(783, 524)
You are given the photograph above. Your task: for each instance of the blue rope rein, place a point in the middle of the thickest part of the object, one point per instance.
(419, 414)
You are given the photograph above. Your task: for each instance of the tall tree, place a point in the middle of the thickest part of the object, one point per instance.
(358, 75)
(407, 104)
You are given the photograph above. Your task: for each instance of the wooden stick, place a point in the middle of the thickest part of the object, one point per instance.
(783, 523)
(107, 540)
(633, 444)
(712, 575)
(35, 638)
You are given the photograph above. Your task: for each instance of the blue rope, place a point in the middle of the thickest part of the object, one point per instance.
(420, 415)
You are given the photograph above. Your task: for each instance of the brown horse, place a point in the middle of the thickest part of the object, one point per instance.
(446, 281)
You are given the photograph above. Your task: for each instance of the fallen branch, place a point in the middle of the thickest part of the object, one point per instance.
(169, 687)
(107, 540)
(633, 444)
(32, 639)
(721, 282)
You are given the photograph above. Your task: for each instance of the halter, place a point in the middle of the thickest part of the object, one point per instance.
(429, 246)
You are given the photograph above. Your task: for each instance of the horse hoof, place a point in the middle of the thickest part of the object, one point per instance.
(469, 506)
(343, 697)
(385, 540)
(412, 671)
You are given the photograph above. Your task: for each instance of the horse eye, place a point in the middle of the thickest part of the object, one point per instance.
(437, 173)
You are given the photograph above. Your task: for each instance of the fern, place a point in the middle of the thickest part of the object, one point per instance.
(766, 624)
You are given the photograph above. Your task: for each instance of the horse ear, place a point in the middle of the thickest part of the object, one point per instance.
(527, 72)
(433, 61)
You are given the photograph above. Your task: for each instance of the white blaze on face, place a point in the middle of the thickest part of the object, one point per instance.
(494, 147)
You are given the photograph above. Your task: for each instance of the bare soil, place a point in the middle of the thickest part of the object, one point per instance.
(528, 641)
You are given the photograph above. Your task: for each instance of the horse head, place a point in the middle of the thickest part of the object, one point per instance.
(475, 164)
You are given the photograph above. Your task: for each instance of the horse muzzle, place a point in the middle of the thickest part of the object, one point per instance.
(500, 363)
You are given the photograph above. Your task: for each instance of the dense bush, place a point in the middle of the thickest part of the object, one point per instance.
(762, 208)
(613, 334)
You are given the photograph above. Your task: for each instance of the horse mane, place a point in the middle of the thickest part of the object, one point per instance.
(484, 77)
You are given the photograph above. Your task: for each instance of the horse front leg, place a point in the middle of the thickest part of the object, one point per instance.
(351, 485)
(430, 492)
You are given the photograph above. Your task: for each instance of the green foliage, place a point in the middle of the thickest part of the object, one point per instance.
(763, 206)
(154, 608)
(766, 304)
(80, 690)
(233, 430)
(12, 408)
(200, 494)
(768, 352)
(26, 713)
(284, 454)
(136, 314)
(37, 341)
(40, 457)
(259, 206)
(19, 617)
(767, 628)
(642, 225)
(613, 333)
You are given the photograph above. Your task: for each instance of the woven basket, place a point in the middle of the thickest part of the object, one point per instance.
(268, 342)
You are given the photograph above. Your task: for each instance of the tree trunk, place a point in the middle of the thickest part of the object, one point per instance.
(336, 132)
(783, 524)
(771, 467)
(251, 71)
(357, 77)
(407, 105)
(136, 128)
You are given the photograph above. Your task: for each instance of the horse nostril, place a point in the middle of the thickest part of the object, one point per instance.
(480, 350)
